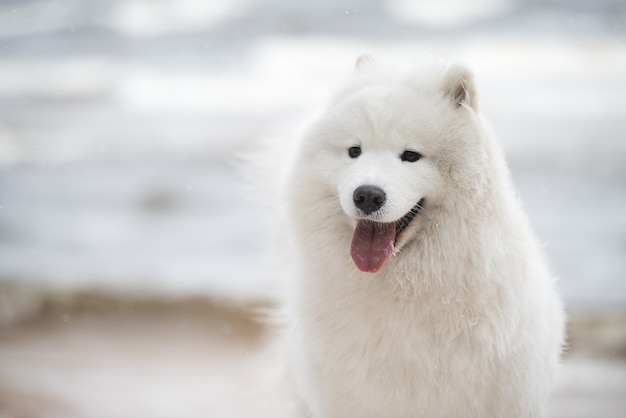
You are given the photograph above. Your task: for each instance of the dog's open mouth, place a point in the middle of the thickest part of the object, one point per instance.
(403, 222)
(373, 242)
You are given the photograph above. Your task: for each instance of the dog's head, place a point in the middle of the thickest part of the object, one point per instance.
(387, 144)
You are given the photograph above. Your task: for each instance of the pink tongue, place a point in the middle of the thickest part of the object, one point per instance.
(372, 244)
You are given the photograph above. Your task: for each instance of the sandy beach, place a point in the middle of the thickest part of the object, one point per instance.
(96, 356)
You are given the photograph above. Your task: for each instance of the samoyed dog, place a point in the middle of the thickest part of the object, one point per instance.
(417, 286)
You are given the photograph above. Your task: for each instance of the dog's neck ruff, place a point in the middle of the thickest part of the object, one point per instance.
(373, 242)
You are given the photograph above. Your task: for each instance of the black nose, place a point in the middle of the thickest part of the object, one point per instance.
(369, 198)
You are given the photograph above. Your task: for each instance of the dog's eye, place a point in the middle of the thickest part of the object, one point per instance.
(410, 156)
(354, 152)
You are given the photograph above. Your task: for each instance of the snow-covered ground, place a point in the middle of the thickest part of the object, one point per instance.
(119, 121)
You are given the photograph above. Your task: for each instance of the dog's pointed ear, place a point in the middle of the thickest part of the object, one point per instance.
(458, 85)
(364, 61)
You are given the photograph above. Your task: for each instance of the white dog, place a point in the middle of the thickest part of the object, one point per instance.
(418, 288)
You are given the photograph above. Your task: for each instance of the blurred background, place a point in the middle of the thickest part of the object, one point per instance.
(131, 254)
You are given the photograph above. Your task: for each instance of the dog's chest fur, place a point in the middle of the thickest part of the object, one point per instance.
(374, 349)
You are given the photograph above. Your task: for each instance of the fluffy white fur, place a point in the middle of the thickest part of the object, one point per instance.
(463, 320)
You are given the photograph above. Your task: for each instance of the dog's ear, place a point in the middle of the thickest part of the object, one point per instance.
(458, 85)
(364, 61)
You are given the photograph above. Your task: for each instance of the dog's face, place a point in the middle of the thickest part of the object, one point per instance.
(385, 149)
